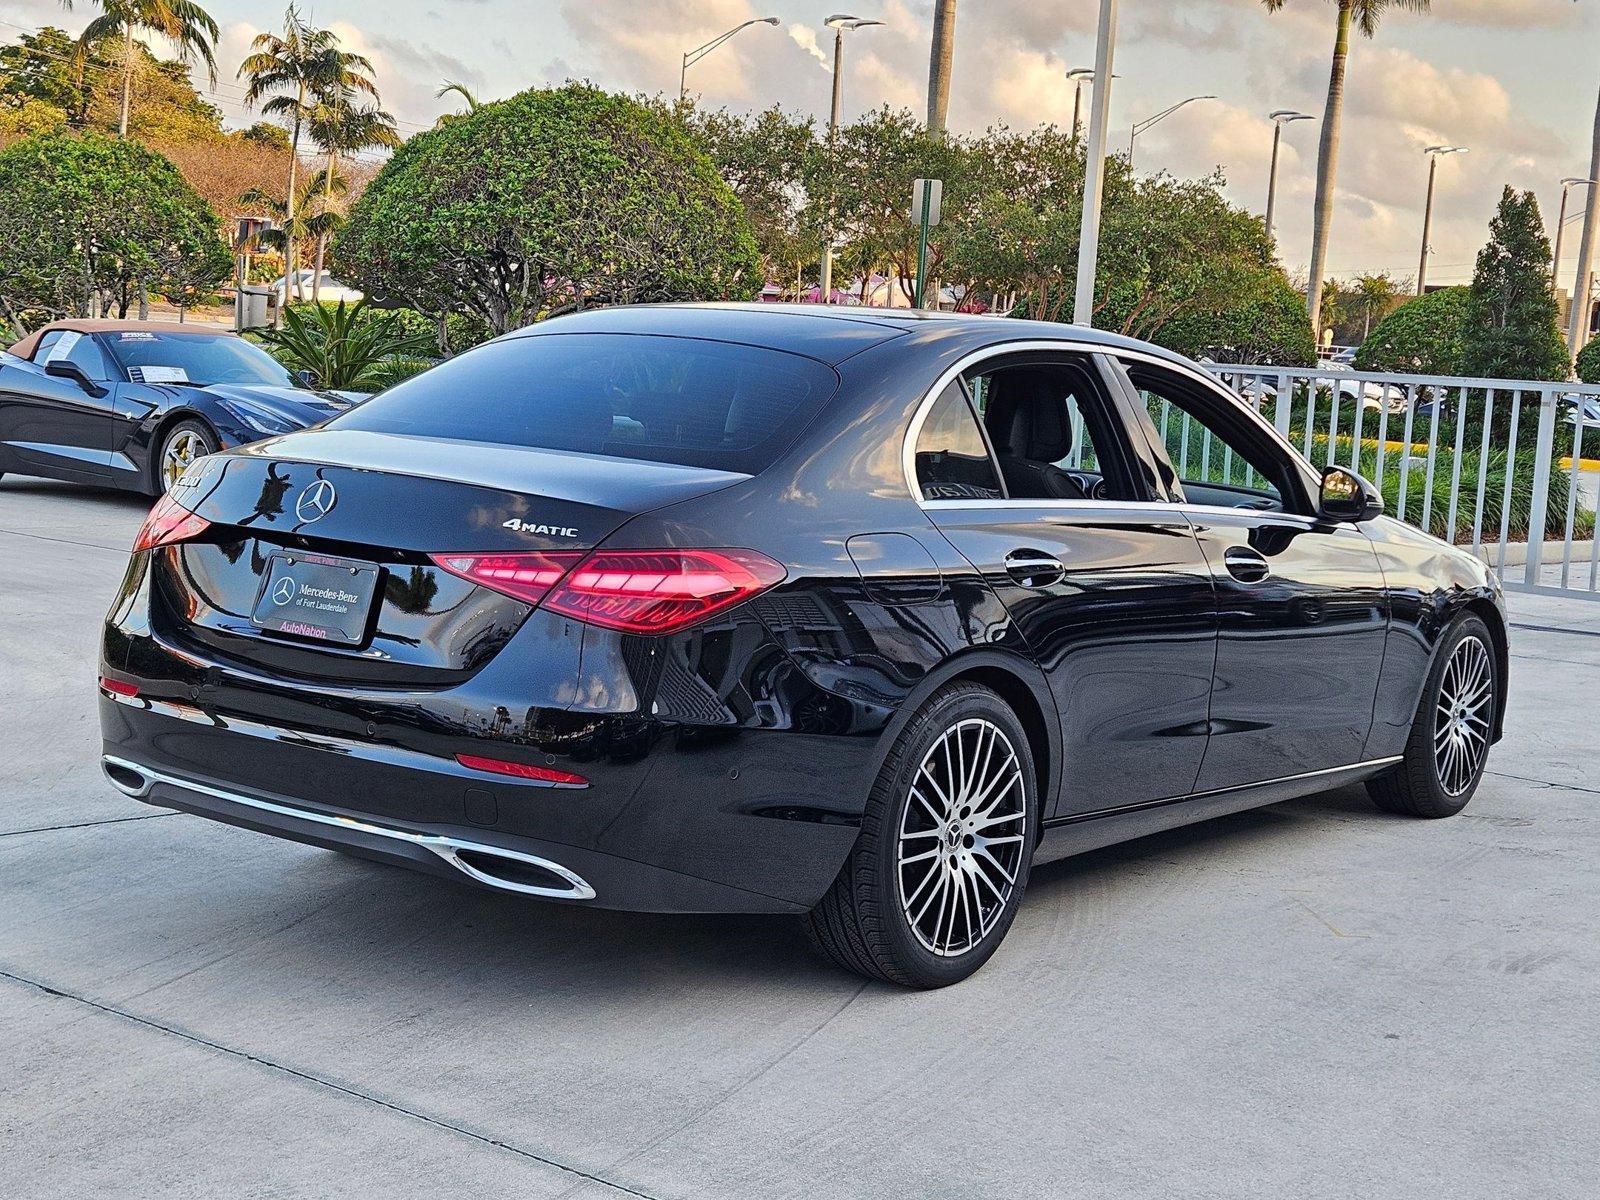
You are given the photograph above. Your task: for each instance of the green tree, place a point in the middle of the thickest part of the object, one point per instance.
(1365, 16)
(94, 224)
(182, 22)
(40, 66)
(770, 160)
(1510, 324)
(1589, 362)
(1421, 337)
(1265, 323)
(1377, 296)
(548, 201)
(293, 72)
(340, 127)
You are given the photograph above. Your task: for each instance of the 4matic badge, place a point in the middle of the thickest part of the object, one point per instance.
(522, 526)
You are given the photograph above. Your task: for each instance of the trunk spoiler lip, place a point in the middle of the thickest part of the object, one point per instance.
(490, 463)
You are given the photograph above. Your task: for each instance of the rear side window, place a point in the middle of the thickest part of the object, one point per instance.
(664, 399)
(953, 461)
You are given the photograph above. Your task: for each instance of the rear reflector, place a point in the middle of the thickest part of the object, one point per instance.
(167, 523)
(498, 766)
(117, 688)
(524, 576)
(660, 591)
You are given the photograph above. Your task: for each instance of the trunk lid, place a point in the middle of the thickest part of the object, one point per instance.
(390, 501)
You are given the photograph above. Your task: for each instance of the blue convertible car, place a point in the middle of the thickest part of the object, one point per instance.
(130, 404)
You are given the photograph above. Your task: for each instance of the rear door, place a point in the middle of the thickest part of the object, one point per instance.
(52, 423)
(1109, 589)
(1303, 613)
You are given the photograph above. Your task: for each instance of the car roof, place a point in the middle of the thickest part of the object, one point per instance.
(26, 347)
(829, 333)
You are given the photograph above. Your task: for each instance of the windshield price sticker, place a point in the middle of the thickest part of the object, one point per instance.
(162, 375)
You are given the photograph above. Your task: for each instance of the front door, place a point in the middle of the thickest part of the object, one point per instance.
(1301, 603)
(53, 423)
(1026, 467)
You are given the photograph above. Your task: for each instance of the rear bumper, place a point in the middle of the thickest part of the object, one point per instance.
(685, 826)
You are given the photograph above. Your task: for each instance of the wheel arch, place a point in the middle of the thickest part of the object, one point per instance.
(1489, 613)
(1015, 680)
(158, 434)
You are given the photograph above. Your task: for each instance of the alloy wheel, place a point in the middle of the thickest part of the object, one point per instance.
(962, 836)
(1462, 716)
(181, 449)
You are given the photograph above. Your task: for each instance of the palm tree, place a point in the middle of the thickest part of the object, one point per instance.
(338, 127)
(182, 22)
(1364, 15)
(465, 93)
(298, 69)
(299, 216)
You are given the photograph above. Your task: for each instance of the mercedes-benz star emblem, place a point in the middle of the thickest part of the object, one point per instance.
(316, 502)
(284, 592)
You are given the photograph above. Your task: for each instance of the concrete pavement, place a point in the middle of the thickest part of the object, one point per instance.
(1311, 1000)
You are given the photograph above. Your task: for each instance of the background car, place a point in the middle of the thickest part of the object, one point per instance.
(130, 404)
(331, 291)
(763, 608)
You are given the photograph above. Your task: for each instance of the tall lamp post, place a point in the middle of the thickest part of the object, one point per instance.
(1561, 223)
(1079, 77)
(1279, 118)
(1094, 166)
(1434, 153)
(1149, 122)
(839, 22)
(691, 57)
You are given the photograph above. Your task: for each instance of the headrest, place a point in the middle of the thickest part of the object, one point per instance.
(1027, 414)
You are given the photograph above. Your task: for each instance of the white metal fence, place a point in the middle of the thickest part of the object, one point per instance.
(1498, 465)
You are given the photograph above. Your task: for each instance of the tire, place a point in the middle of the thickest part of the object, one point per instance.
(186, 441)
(1430, 783)
(864, 923)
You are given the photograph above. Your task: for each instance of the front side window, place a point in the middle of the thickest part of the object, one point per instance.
(1219, 455)
(78, 348)
(639, 396)
(952, 461)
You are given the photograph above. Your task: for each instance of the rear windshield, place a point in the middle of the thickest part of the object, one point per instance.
(665, 399)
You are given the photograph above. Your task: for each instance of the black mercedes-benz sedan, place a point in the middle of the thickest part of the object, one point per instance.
(845, 613)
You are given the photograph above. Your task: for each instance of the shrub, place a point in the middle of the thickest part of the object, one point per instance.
(347, 347)
(1421, 337)
(1589, 362)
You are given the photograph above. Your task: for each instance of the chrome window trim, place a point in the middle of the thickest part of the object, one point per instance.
(908, 447)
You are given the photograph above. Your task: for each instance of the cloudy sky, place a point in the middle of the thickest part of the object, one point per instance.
(1515, 80)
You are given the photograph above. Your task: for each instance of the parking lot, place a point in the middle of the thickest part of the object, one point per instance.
(1310, 1000)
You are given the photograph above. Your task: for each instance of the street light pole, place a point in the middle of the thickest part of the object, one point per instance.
(690, 57)
(1079, 76)
(1578, 327)
(1561, 225)
(1434, 153)
(839, 22)
(1149, 122)
(1279, 119)
(1094, 166)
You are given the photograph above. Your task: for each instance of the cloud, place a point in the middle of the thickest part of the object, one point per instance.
(806, 38)
(1511, 14)
(646, 42)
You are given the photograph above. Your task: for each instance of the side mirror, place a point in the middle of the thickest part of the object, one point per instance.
(62, 368)
(1346, 496)
(307, 378)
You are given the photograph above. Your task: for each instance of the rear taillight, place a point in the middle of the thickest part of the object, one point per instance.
(637, 591)
(167, 523)
(525, 576)
(660, 591)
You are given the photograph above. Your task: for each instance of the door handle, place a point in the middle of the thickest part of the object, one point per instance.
(1034, 568)
(1245, 565)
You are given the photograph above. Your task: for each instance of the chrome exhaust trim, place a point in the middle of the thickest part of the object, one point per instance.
(134, 780)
